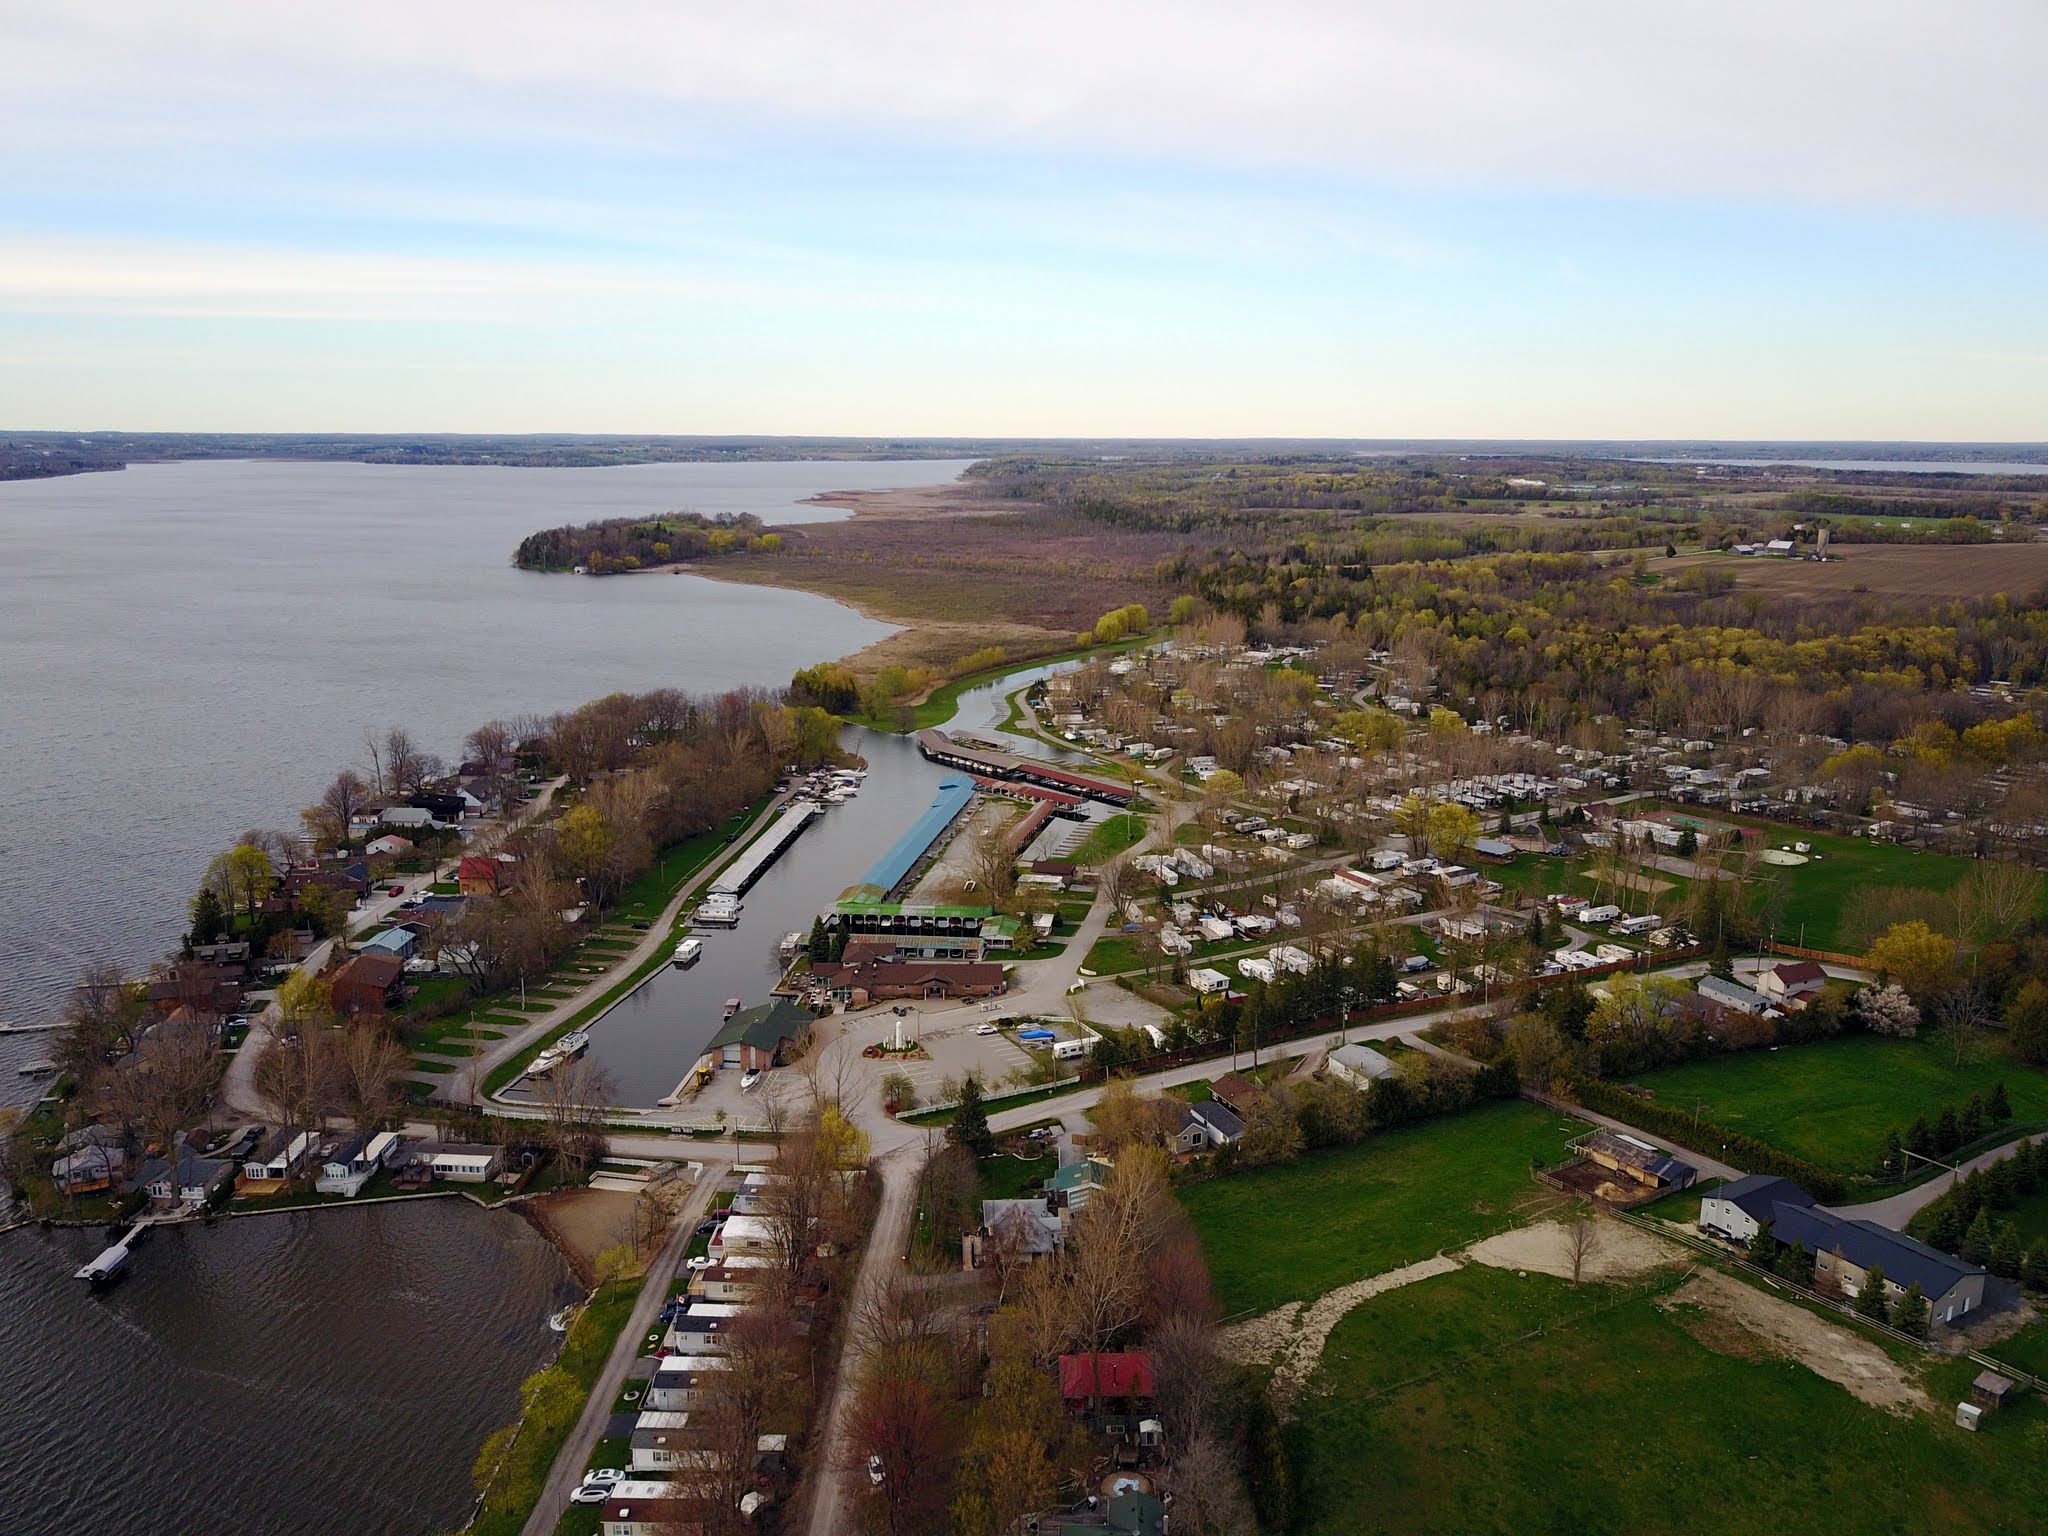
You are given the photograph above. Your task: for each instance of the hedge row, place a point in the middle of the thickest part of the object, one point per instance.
(1676, 1124)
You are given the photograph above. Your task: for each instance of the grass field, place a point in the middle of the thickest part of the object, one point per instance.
(1295, 1230)
(1928, 571)
(1488, 1401)
(1832, 1103)
(1818, 893)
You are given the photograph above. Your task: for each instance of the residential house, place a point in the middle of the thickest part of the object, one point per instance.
(406, 816)
(1845, 1252)
(390, 846)
(742, 1235)
(1358, 1065)
(1730, 994)
(346, 1167)
(94, 1161)
(187, 1179)
(462, 1162)
(1736, 1210)
(1076, 1183)
(703, 1329)
(650, 1507)
(1239, 1092)
(199, 989)
(1220, 1123)
(738, 1279)
(279, 1155)
(227, 955)
(367, 983)
(1017, 1231)
(485, 874)
(679, 1382)
(660, 1451)
(1792, 984)
(1190, 1135)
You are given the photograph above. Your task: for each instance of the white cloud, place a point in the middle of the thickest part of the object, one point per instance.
(1883, 103)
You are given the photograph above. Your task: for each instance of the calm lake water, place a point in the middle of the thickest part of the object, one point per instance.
(189, 650)
(290, 1375)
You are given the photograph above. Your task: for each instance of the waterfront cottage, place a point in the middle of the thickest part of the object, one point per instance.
(466, 1162)
(278, 1156)
(680, 1381)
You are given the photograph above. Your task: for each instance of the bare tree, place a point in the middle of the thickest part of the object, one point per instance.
(762, 1383)
(1581, 1242)
(574, 1099)
(368, 1073)
(1960, 1011)
(99, 1024)
(162, 1087)
(301, 1074)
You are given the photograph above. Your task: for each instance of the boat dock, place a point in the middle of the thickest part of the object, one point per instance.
(747, 868)
(112, 1259)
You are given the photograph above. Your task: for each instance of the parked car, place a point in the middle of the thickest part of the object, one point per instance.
(986, 1029)
(642, 924)
(706, 1228)
(396, 890)
(592, 1493)
(875, 1470)
(605, 1475)
(700, 1261)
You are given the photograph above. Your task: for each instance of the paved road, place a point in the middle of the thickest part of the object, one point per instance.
(834, 1482)
(574, 1456)
(1895, 1211)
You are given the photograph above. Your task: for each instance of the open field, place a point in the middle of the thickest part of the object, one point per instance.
(1928, 572)
(1832, 1103)
(1489, 1401)
(1295, 1230)
(1818, 892)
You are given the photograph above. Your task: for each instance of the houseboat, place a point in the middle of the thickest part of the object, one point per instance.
(560, 1054)
(688, 952)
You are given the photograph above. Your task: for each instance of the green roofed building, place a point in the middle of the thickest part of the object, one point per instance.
(756, 1037)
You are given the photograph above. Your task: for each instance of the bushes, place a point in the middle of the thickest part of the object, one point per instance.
(1752, 1155)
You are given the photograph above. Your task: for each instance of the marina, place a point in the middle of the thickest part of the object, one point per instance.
(748, 867)
(688, 953)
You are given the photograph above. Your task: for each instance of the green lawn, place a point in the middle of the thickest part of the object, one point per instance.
(1295, 1230)
(1110, 838)
(1820, 890)
(1487, 1401)
(1832, 1103)
(1003, 1177)
(1682, 1207)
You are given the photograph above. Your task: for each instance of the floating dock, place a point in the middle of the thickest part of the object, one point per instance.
(748, 867)
(113, 1259)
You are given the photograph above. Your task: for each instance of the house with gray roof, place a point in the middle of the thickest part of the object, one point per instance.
(1735, 1211)
(1219, 1122)
(1731, 994)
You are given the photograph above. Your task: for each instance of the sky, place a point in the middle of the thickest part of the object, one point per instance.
(1350, 218)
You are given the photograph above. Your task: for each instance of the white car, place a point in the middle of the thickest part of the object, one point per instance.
(592, 1493)
(875, 1470)
(603, 1477)
(986, 1029)
(700, 1261)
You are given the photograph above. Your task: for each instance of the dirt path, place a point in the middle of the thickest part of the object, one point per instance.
(1293, 1335)
(1738, 1319)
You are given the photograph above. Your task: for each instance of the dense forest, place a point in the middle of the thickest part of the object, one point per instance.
(622, 544)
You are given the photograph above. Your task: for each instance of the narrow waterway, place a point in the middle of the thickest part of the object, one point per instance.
(649, 1040)
(317, 1374)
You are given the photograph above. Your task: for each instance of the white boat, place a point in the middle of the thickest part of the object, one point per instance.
(688, 952)
(39, 1068)
(718, 910)
(560, 1054)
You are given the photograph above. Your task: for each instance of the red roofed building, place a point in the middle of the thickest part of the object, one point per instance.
(1084, 1377)
(484, 874)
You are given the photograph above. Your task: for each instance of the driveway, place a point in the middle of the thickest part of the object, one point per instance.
(1895, 1211)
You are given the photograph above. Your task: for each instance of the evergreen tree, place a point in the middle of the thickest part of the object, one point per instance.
(1871, 1300)
(209, 917)
(2000, 1107)
(1763, 1248)
(1971, 1125)
(1688, 843)
(2008, 1253)
(1945, 1230)
(1910, 1315)
(2026, 1022)
(2034, 1268)
(2001, 1184)
(821, 940)
(839, 942)
(1947, 1133)
(1893, 1162)
(1568, 1006)
(2026, 1166)
(970, 1121)
(1920, 1137)
(1794, 1264)
(1977, 1240)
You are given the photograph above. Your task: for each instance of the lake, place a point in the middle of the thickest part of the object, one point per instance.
(326, 1374)
(190, 650)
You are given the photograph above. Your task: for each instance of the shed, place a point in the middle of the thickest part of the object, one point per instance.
(1991, 1390)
